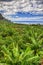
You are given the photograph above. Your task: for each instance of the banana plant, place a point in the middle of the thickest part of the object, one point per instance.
(14, 56)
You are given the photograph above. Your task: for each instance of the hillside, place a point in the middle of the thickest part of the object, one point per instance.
(1, 18)
(20, 44)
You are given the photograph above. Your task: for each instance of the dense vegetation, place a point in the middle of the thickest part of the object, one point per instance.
(20, 44)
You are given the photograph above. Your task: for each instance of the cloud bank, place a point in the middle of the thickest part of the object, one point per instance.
(11, 7)
(22, 5)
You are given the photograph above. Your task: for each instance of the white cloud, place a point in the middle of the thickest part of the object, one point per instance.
(22, 5)
(23, 19)
(26, 20)
(33, 6)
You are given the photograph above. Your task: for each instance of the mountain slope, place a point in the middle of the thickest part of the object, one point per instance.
(1, 18)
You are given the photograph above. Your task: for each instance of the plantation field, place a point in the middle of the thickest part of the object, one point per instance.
(20, 44)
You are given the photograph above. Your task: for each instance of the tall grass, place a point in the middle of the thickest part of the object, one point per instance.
(20, 44)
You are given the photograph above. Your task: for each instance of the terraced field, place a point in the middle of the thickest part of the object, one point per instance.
(20, 44)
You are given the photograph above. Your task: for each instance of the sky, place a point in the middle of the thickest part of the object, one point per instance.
(22, 11)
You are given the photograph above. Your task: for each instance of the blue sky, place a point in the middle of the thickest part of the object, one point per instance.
(23, 11)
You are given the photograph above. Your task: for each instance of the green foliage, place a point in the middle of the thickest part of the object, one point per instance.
(20, 44)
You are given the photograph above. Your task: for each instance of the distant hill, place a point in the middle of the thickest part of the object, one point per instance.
(1, 17)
